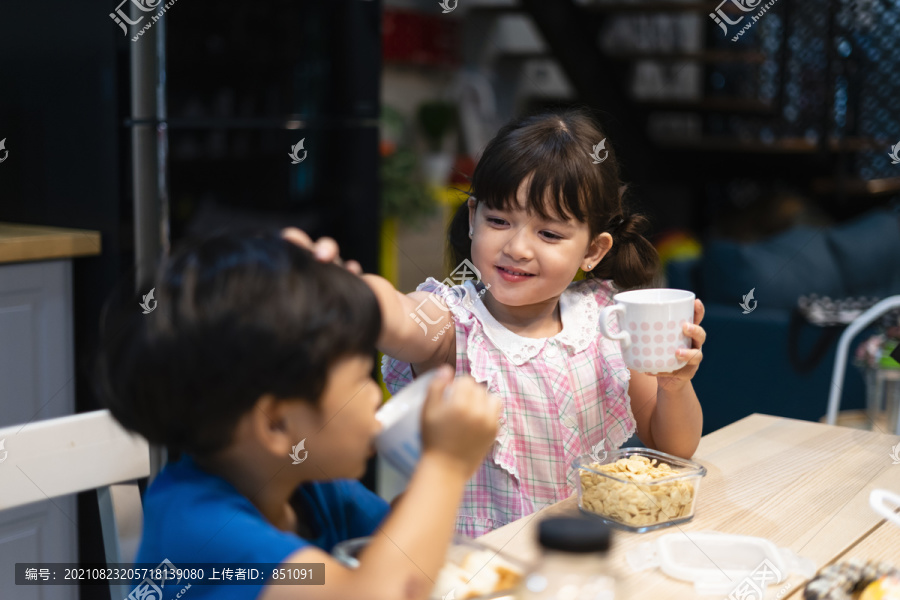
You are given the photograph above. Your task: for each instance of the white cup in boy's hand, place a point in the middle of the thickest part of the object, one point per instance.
(400, 439)
(458, 418)
(460, 421)
(651, 327)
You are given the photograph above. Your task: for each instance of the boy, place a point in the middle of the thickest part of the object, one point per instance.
(255, 347)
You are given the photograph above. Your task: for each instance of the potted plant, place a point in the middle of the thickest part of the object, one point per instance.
(437, 119)
(405, 198)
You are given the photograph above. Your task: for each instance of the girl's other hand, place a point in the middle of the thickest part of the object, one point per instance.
(676, 380)
(325, 249)
(459, 420)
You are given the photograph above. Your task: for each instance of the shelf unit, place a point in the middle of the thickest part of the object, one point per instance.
(750, 103)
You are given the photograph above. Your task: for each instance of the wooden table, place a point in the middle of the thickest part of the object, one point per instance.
(802, 485)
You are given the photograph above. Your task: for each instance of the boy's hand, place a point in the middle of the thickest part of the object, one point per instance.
(459, 421)
(678, 379)
(325, 249)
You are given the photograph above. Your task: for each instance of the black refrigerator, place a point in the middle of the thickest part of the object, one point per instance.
(247, 83)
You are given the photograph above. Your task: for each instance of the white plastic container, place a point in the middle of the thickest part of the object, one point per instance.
(717, 563)
(880, 500)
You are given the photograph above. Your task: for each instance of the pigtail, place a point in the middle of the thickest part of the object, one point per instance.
(633, 261)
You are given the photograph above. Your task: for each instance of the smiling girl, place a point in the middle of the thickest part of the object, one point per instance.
(541, 208)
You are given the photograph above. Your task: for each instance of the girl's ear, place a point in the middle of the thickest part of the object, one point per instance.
(600, 246)
(473, 205)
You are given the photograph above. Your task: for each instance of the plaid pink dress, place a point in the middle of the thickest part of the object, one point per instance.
(562, 397)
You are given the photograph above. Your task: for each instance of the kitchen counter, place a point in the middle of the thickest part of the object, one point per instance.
(37, 374)
(21, 243)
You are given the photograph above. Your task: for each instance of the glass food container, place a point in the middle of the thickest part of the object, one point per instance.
(472, 571)
(638, 489)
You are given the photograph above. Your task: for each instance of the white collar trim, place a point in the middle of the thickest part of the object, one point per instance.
(579, 313)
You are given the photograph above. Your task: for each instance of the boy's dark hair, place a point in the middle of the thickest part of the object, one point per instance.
(556, 147)
(237, 317)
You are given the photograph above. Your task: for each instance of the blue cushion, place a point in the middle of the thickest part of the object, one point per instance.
(795, 263)
(746, 369)
(867, 252)
(681, 274)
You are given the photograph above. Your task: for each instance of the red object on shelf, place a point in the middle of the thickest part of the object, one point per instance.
(386, 148)
(426, 40)
(462, 170)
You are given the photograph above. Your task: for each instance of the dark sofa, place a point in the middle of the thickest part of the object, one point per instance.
(746, 366)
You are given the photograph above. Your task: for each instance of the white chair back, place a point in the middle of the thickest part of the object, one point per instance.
(840, 357)
(55, 457)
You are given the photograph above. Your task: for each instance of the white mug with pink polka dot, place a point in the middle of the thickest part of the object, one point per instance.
(651, 327)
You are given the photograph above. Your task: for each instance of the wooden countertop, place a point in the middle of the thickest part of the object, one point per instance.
(20, 243)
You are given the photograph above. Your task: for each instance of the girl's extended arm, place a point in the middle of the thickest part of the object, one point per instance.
(416, 328)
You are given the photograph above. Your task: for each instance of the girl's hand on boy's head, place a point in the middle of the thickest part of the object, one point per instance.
(325, 249)
(459, 420)
(678, 379)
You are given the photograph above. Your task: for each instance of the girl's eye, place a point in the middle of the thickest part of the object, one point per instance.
(552, 236)
(495, 221)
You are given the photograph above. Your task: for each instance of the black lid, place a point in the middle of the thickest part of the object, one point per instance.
(574, 534)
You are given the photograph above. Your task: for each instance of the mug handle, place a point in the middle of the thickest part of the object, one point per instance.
(877, 502)
(622, 336)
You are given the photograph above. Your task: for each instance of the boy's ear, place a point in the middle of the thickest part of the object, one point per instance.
(472, 204)
(274, 423)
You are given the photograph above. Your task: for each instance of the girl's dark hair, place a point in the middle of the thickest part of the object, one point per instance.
(556, 148)
(237, 317)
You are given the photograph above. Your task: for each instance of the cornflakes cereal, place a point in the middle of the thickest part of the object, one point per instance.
(638, 502)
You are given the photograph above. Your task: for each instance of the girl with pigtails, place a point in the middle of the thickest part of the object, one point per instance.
(541, 208)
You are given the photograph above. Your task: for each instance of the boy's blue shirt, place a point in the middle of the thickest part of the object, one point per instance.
(191, 516)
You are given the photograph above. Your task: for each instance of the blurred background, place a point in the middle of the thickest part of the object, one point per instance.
(761, 138)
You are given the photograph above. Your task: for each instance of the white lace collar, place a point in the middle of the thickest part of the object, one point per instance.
(580, 317)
